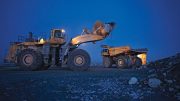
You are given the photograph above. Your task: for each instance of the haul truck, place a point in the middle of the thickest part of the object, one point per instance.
(35, 54)
(123, 56)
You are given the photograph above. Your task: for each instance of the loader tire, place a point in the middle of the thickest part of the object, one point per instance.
(78, 59)
(30, 60)
(122, 62)
(107, 62)
(138, 62)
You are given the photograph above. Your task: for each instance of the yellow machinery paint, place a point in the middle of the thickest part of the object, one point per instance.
(123, 56)
(143, 57)
(55, 51)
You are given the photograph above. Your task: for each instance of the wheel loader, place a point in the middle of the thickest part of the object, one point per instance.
(123, 56)
(34, 54)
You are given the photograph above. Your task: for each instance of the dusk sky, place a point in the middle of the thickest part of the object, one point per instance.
(152, 24)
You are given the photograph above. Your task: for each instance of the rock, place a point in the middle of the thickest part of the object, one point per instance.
(178, 96)
(170, 63)
(154, 82)
(177, 87)
(149, 91)
(169, 81)
(166, 62)
(141, 97)
(133, 80)
(142, 67)
(151, 71)
(44, 81)
(152, 75)
(134, 95)
(164, 74)
(171, 89)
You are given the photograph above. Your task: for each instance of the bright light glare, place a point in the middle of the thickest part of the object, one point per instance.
(42, 41)
(143, 58)
(63, 31)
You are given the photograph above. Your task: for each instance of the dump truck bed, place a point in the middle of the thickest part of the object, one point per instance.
(139, 51)
(113, 51)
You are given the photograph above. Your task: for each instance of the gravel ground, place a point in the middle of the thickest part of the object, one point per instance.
(96, 84)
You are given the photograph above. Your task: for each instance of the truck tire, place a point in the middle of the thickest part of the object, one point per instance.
(107, 62)
(78, 59)
(138, 62)
(121, 62)
(29, 59)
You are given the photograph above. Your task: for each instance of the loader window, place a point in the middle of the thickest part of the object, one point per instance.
(58, 34)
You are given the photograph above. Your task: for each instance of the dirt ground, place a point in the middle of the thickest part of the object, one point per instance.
(95, 84)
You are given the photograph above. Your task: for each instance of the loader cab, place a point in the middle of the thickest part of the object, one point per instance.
(57, 36)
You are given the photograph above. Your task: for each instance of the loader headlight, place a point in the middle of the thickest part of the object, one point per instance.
(63, 31)
(42, 41)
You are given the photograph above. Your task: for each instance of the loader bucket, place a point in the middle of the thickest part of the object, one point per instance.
(103, 29)
(100, 32)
